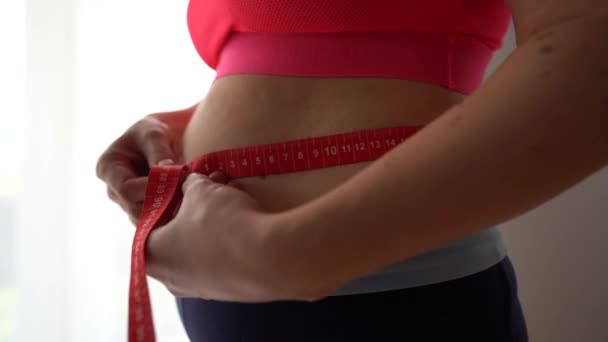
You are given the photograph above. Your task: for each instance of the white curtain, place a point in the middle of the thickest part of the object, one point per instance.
(74, 74)
(12, 103)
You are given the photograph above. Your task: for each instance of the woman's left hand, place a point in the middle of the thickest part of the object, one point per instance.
(215, 247)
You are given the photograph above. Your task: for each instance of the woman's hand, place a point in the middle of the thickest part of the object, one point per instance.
(124, 166)
(214, 248)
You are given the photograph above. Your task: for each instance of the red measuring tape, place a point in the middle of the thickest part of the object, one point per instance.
(163, 192)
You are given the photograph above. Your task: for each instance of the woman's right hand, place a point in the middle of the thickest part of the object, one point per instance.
(124, 166)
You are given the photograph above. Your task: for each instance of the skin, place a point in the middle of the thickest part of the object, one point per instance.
(535, 129)
(124, 165)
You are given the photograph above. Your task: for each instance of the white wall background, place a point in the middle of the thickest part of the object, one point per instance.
(134, 57)
(95, 67)
(559, 251)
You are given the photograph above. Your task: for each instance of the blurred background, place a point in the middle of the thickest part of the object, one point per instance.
(74, 74)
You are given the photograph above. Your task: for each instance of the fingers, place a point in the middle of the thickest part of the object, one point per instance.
(134, 219)
(114, 173)
(134, 189)
(198, 188)
(199, 184)
(148, 141)
(125, 186)
(236, 186)
(154, 139)
(218, 177)
(133, 210)
(112, 195)
(114, 168)
(130, 196)
(206, 183)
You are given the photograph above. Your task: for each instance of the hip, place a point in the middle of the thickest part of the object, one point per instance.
(480, 307)
(246, 110)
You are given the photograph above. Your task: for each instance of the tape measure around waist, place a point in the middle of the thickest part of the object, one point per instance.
(163, 191)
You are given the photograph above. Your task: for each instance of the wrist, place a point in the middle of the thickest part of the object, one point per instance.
(295, 257)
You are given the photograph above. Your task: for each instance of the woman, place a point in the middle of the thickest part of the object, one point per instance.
(399, 248)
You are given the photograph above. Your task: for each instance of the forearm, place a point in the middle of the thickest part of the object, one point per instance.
(536, 128)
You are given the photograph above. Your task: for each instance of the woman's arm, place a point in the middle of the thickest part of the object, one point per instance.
(538, 126)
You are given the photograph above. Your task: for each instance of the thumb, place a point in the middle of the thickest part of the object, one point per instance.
(156, 145)
(159, 152)
(197, 183)
(197, 189)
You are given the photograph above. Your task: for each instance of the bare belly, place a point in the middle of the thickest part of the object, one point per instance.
(243, 110)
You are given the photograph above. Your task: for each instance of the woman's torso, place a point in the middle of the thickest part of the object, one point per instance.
(353, 65)
(243, 110)
(400, 63)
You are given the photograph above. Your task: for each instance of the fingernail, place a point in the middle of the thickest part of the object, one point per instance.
(193, 175)
(166, 162)
(218, 177)
(191, 179)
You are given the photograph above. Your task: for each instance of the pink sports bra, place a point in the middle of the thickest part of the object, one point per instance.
(445, 42)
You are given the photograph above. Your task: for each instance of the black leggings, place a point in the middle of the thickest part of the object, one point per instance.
(481, 307)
